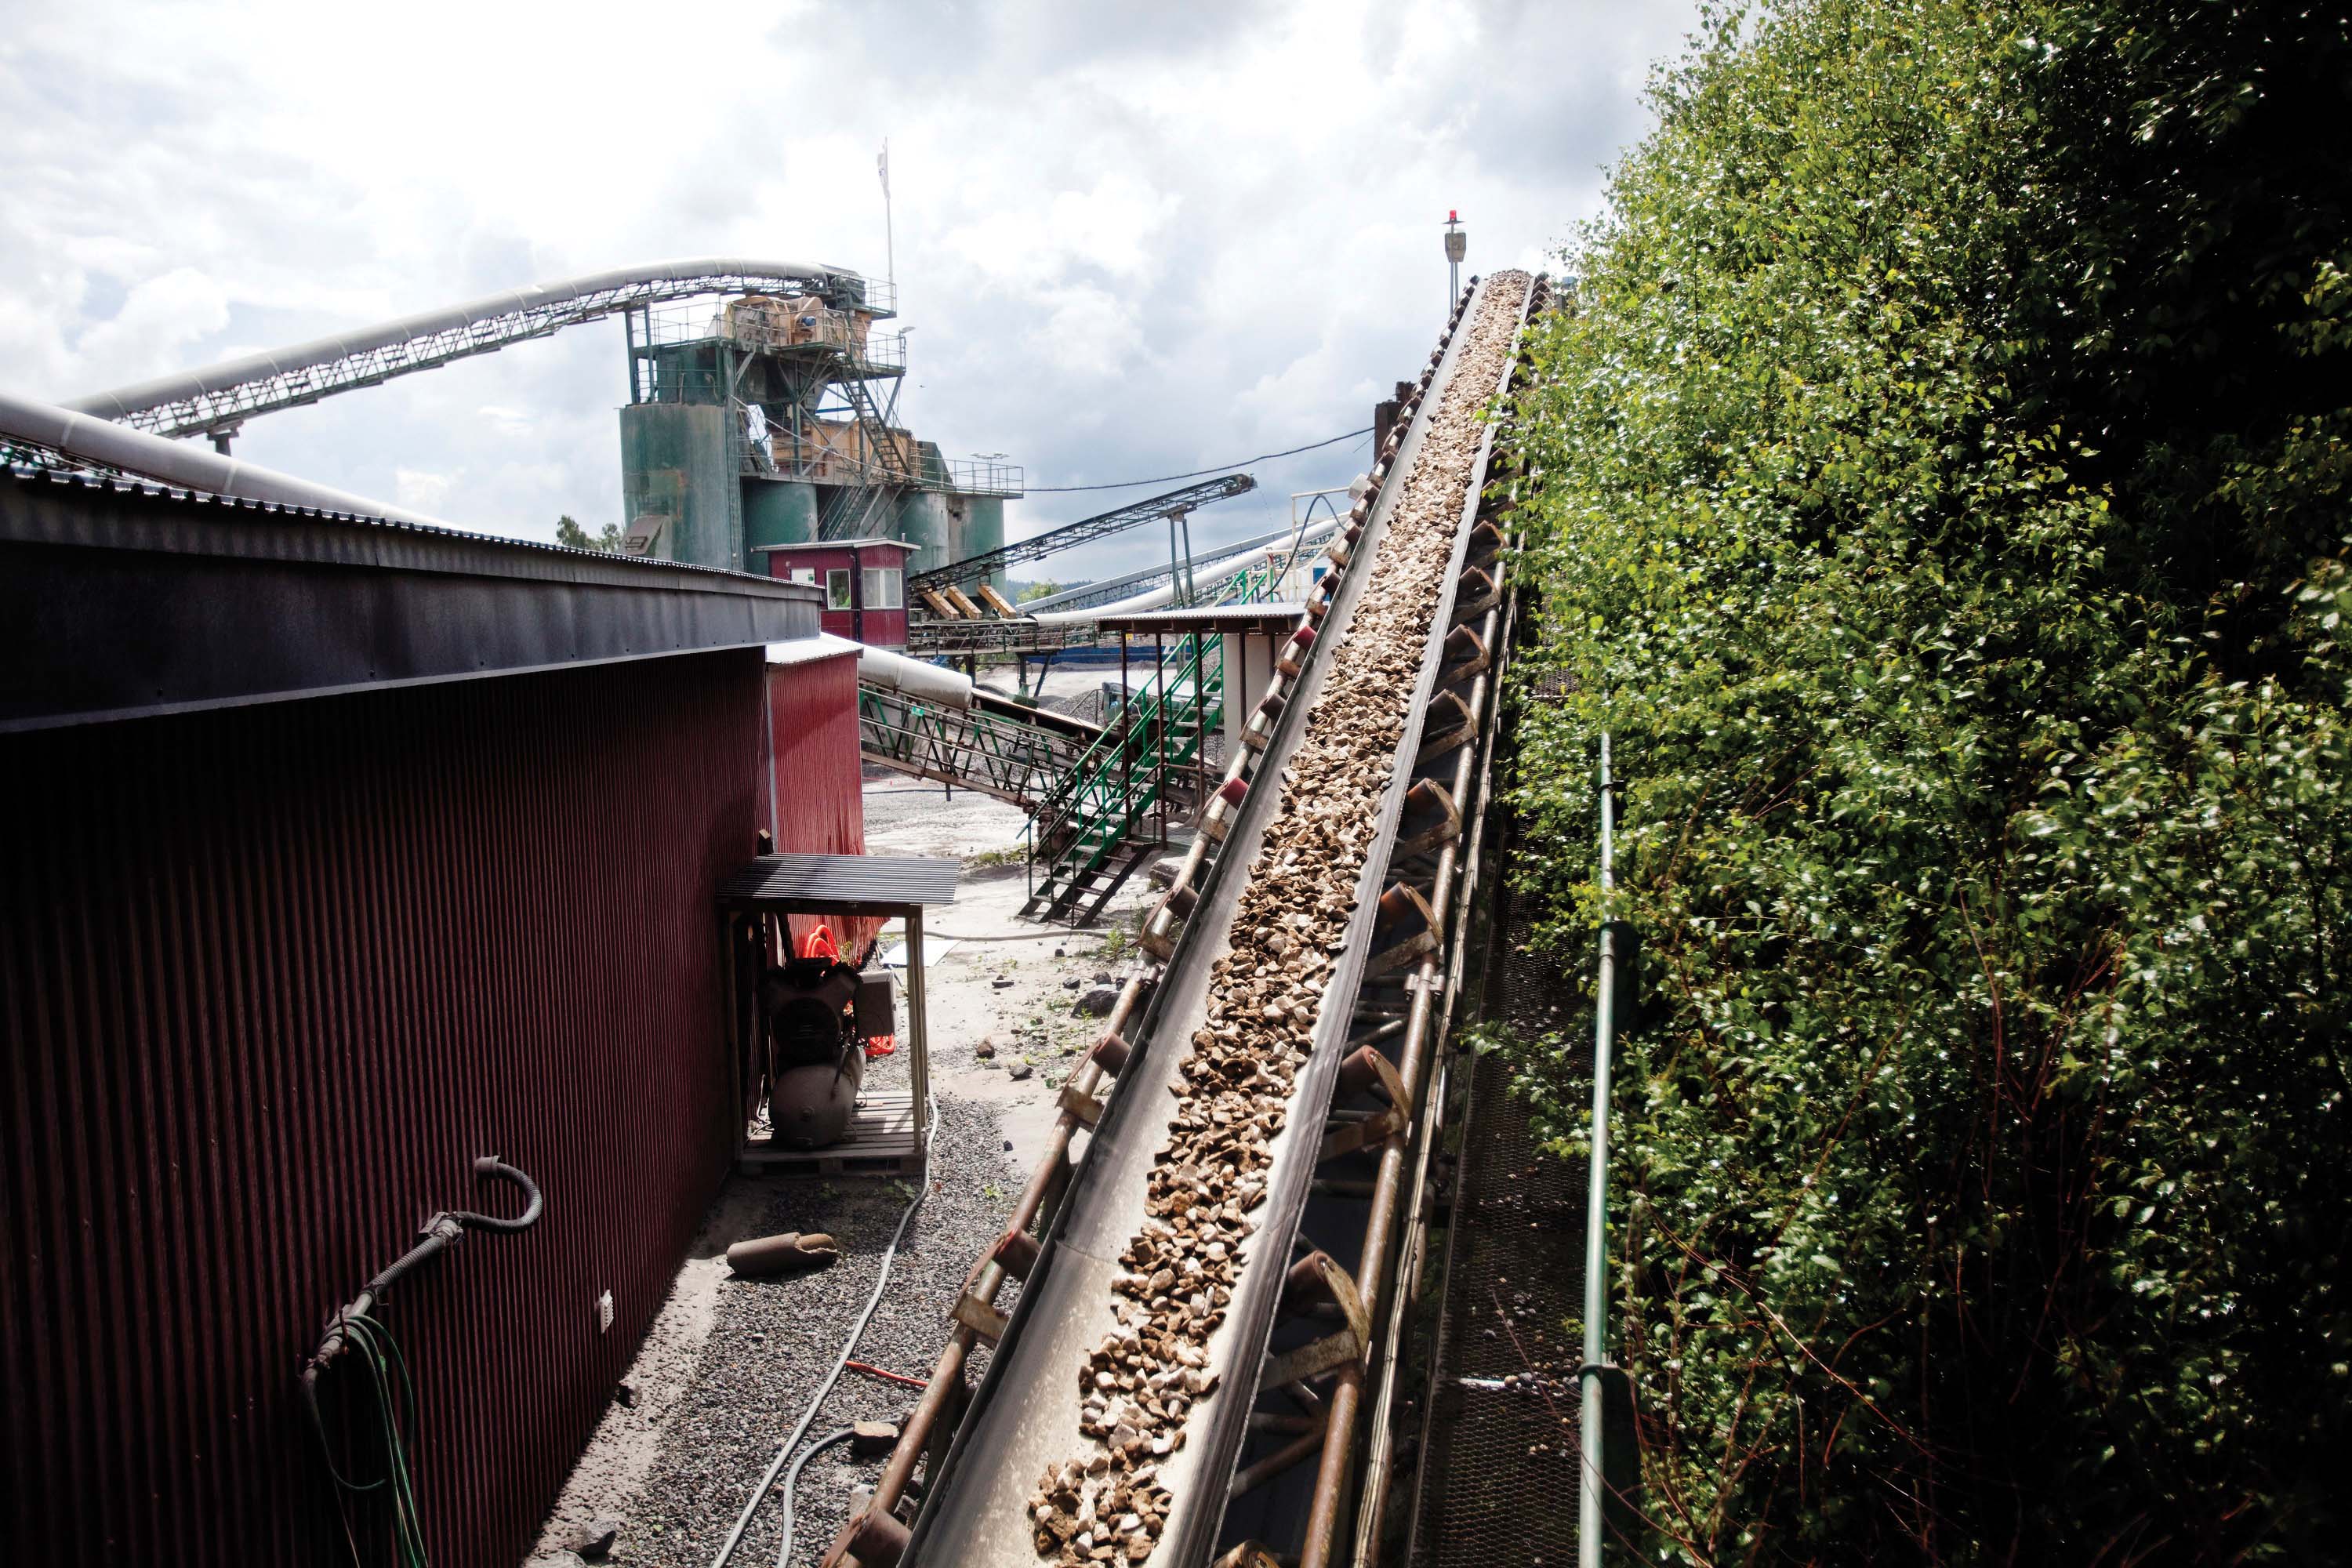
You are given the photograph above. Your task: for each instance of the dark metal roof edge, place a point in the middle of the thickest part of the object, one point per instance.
(499, 555)
(296, 694)
(898, 881)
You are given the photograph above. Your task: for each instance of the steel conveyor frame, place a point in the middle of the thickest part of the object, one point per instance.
(1025, 1413)
(217, 398)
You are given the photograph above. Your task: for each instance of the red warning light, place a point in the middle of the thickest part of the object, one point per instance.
(1451, 217)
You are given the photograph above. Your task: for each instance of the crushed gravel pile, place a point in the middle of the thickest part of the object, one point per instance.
(1107, 1504)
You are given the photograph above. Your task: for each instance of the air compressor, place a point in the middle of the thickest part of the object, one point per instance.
(816, 1013)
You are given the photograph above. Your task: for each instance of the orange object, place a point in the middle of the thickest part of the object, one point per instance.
(881, 1044)
(819, 943)
(867, 1366)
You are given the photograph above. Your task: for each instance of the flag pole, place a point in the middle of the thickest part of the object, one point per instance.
(889, 239)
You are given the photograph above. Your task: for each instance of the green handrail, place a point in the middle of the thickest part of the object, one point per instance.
(1122, 774)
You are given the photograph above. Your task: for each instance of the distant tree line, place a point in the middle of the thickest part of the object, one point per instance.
(569, 532)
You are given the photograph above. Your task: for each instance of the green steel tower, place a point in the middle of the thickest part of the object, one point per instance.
(762, 420)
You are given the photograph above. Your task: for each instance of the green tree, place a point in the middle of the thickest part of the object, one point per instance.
(1941, 502)
(569, 532)
(1037, 591)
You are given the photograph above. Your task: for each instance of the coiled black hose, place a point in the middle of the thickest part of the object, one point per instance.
(353, 1328)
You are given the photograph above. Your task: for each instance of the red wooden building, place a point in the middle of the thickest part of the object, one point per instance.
(864, 582)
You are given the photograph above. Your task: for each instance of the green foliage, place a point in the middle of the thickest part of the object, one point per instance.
(1037, 591)
(569, 532)
(1942, 506)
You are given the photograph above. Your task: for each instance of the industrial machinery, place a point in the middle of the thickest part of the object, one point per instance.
(773, 420)
(1204, 1363)
(817, 1014)
(767, 419)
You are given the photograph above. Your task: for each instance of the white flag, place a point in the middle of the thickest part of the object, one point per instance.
(882, 167)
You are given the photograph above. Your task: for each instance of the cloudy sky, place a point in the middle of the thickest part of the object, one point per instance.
(1131, 239)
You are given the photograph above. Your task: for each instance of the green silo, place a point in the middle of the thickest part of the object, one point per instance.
(677, 471)
(923, 523)
(775, 511)
(983, 530)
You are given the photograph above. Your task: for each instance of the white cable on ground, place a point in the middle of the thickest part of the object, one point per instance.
(848, 1349)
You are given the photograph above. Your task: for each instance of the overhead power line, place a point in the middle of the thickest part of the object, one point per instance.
(1196, 473)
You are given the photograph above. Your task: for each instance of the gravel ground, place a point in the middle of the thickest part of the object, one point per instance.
(772, 1340)
(729, 1366)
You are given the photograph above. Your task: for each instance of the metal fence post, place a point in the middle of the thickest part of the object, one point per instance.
(1590, 1521)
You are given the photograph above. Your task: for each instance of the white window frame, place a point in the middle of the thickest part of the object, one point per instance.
(838, 590)
(885, 587)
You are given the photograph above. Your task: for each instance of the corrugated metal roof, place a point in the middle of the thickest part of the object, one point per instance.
(120, 601)
(194, 521)
(842, 884)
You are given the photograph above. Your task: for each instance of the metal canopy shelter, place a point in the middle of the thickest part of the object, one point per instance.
(888, 1134)
(842, 884)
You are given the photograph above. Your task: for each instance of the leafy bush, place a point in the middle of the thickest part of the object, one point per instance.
(1942, 503)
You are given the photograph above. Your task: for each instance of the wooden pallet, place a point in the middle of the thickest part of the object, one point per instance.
(881, 1142)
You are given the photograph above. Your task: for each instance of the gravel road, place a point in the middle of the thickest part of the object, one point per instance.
(772, 1341)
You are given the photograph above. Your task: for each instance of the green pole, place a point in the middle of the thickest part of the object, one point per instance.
(1589, 1518)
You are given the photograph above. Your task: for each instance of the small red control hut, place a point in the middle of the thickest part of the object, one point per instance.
(865, 584)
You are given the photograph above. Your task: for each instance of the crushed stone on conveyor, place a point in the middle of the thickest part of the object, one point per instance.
(1107, 1503)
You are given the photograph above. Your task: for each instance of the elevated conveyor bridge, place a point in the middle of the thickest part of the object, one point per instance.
(1200, 1364)
(214, 400)
(990, 745)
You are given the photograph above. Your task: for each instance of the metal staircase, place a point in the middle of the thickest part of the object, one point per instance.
(1110, 810)
(863, 510)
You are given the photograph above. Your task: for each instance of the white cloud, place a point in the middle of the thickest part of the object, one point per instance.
(162, 318)
(1135, 239)
(416, 490)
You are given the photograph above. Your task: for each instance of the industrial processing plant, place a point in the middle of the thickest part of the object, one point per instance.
(360, 877)
(1290, 837)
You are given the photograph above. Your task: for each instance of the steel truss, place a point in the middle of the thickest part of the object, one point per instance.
(1083, 531)
(215, 401)
(969, 747)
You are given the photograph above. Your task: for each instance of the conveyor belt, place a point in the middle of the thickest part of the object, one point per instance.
(1025, 1416)
(992, 746)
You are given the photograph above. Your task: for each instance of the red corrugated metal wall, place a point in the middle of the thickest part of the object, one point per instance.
(819, 788)
(273, 977)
